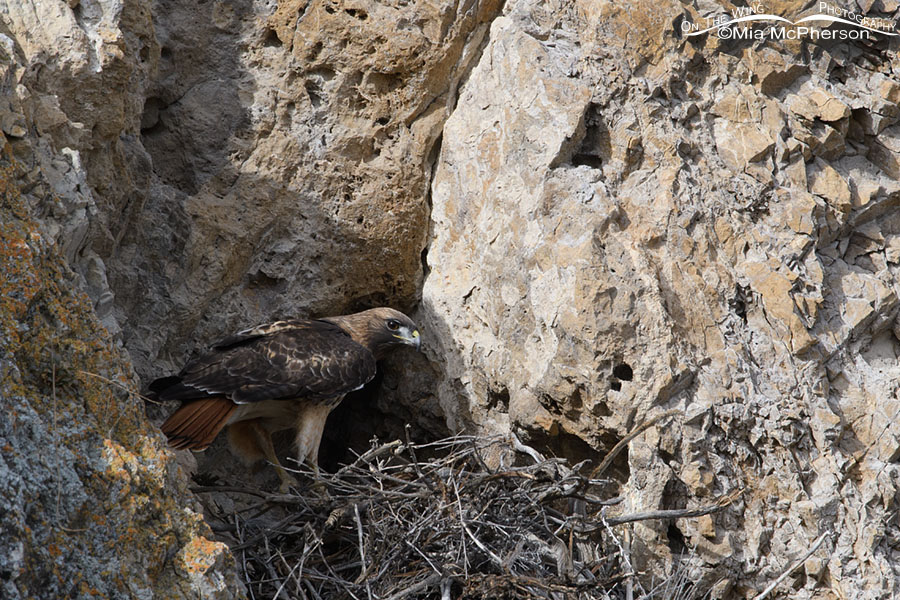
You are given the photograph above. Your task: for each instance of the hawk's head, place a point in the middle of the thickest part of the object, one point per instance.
(381, 330)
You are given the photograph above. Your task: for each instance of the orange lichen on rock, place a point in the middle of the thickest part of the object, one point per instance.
(199, 555)
(90, 482)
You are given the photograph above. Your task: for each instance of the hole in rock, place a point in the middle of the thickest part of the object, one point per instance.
(271, 39)
(357, 13)
(262, 280)
(151, 122)
(676, 540)
(351, 425)
(623, 371)
(576, 450)
(498, 399)
(375, 411)
(313, 91)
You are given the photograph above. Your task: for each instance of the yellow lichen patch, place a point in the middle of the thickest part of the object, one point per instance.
(154, 459)
(87, 590)
(200, 554)
(120, 461)
(69, 378)
(19, 282)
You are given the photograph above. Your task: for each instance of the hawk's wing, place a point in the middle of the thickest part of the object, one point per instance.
(313, 360)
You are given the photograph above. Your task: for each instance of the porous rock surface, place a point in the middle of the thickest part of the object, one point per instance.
(628, 221)
(90, 503)
(289, 147)
(202, 167)
(596, 218)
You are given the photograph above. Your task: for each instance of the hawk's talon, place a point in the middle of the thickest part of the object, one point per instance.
(287, 482)
(318, 488)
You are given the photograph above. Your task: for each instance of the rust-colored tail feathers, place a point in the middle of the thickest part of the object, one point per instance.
(196, 424)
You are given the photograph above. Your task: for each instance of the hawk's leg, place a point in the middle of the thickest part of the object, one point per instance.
(253, 442)
(265, 443)
(310, 425)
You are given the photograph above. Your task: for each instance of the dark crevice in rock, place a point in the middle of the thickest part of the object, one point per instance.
(271, 39)
(623, 371)
(498, 399)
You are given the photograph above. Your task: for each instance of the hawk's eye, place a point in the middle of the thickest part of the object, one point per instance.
(393, 324)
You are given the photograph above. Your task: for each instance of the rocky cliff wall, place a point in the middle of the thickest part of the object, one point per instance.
(627, 220)
(90, 502)
(596, 218)
(287, 163)
(203, 166)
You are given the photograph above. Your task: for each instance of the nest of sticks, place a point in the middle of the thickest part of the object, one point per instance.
(406, 521)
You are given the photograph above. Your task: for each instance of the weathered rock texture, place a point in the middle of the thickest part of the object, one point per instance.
(227, 162)
(627, 221)
(205, 166)
(289, 153)
(623, 221)
(90, 503)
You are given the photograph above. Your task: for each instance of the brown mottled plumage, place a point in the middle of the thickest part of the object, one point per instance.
(282, 375)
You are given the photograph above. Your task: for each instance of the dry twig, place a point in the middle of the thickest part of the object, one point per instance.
(793, 567)
(611, 455)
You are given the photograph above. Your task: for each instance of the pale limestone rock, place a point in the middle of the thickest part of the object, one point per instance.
(800, 212)
(885, 152)
(873, 120)
(754, 285)
(801, 105)
(817, 103)
(890, 91)
(825, 181)
(829, 108)
(740, 144)
(892, 249)
(775, 71)
(740, 106)
(775, 288)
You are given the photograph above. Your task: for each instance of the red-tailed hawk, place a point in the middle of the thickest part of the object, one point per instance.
(283, 375)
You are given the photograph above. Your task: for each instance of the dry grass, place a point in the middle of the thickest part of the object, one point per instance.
(394, 524)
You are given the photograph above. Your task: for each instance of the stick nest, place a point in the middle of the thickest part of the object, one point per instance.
(432, 521)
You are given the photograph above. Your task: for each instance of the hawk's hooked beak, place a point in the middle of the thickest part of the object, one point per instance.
(411, 339)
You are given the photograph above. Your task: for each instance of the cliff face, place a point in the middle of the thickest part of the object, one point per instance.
(627, 221)
(199, 167)
(91, 505)
(597, 219)
(289, 151)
